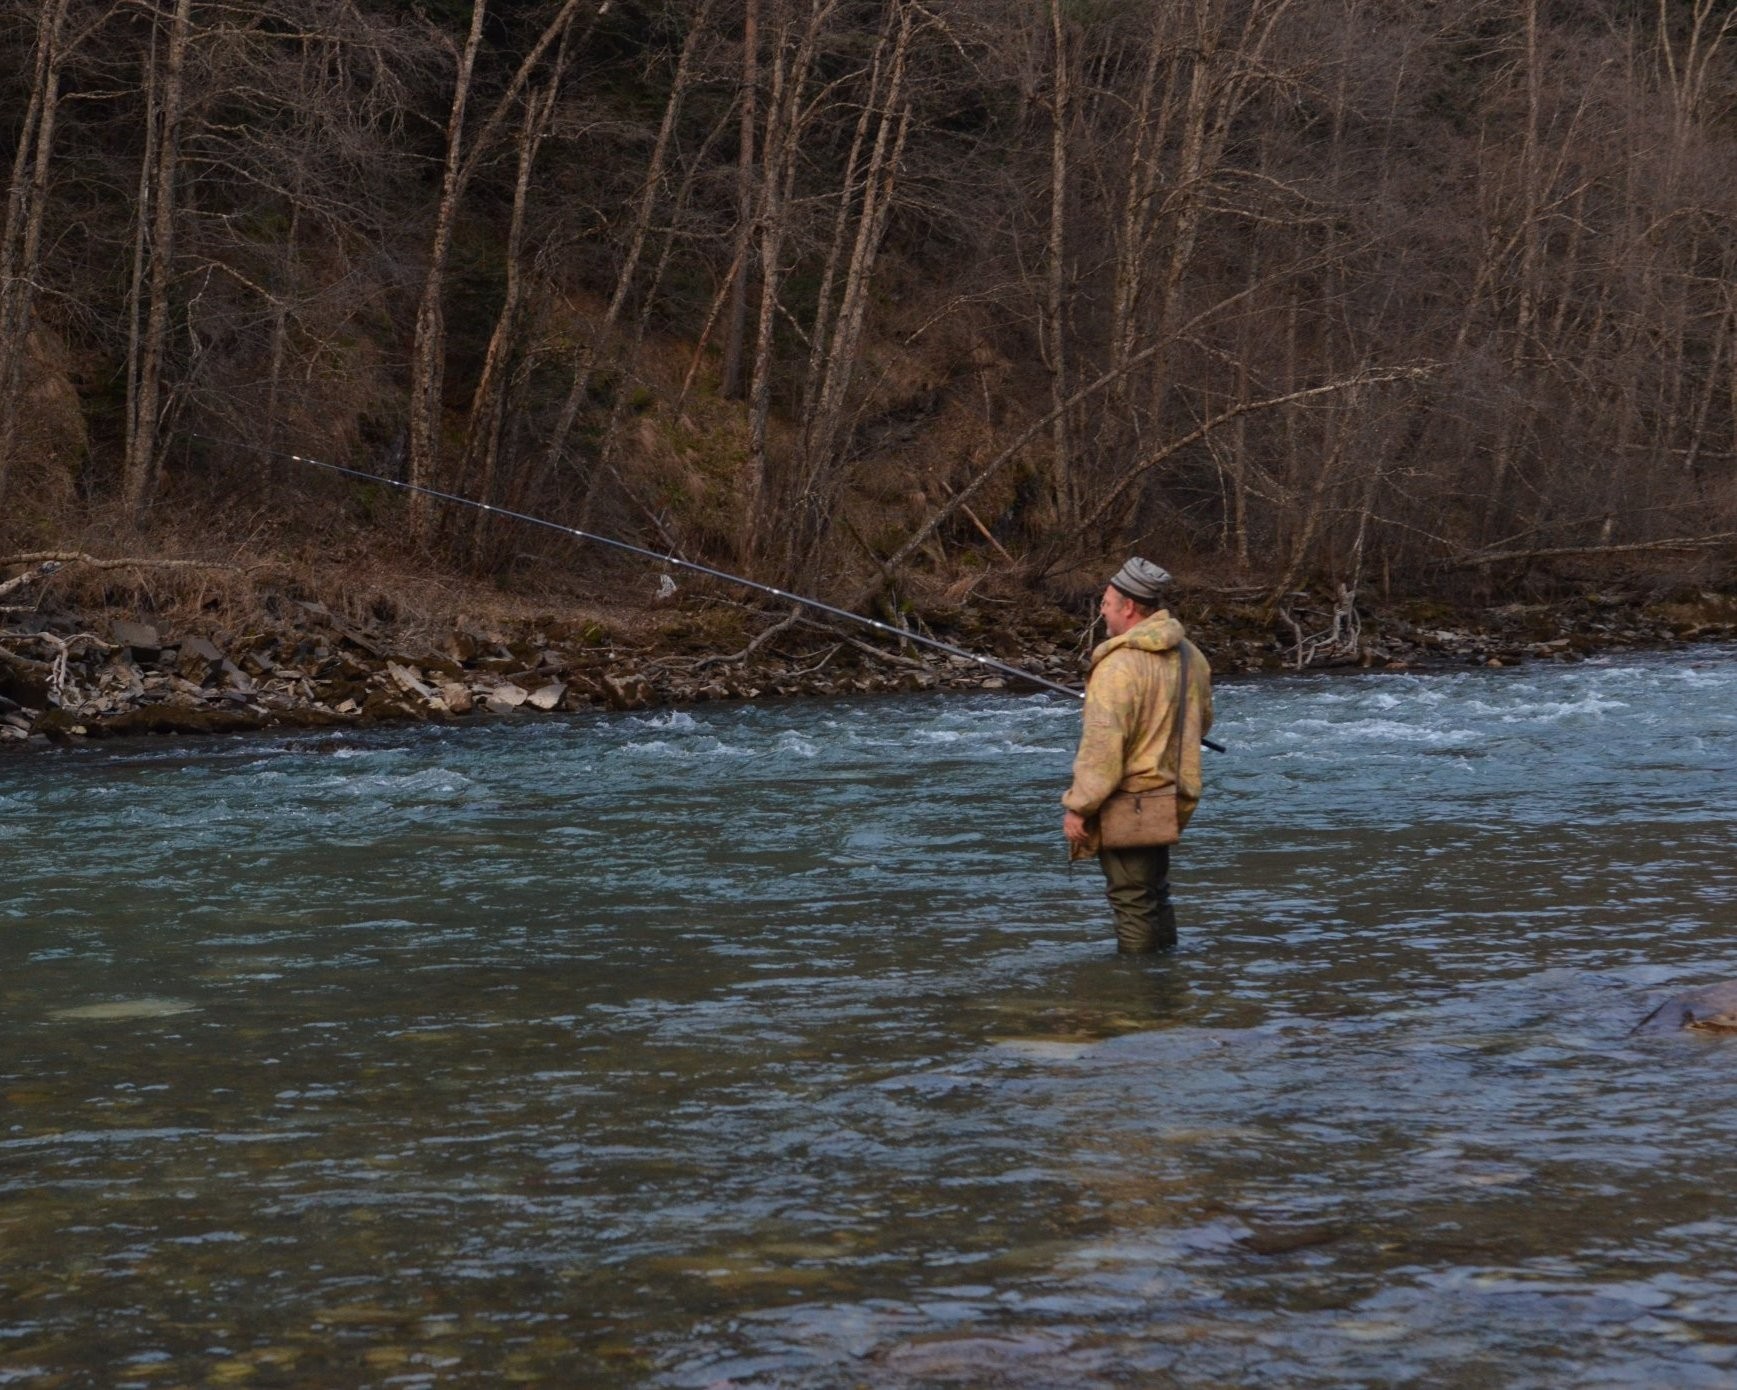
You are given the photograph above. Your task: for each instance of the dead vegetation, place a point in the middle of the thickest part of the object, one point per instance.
(911, 305)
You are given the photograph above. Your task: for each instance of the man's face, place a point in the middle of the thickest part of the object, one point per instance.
(1118, 611)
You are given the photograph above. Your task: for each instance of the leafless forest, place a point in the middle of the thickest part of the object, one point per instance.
(844, 291)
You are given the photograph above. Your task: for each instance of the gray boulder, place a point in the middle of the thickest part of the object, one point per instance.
(1711, 1008)
(142, 638)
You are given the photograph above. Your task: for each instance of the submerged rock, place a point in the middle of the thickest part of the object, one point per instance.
(1044, 1049)
(1711, 1008)
(122, 1009)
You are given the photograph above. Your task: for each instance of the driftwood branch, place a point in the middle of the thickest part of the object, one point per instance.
(892, 657)
(826, 656)
(30, 576)
(734, 658)
(1339, 641)
(1479, 561)
(697, 664)
(867, 648)
(55, 670)
(46, 562)
(982, 530)
(23, 664)
(78, 557)
(62, 649)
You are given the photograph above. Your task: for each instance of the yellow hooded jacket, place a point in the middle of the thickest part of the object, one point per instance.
(1130, 708)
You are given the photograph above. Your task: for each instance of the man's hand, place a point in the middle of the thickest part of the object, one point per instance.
(1074, 827)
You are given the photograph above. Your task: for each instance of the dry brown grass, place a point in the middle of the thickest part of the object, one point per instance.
(241, 572)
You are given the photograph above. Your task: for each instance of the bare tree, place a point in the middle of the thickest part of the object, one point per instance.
(865, 204)
(154, 252)
(488, 401)
(26, 210)
(465, 150)
(736, 329)
(651, 190)
(789, 110)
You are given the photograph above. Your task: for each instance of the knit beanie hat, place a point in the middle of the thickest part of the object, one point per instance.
(1140, 580)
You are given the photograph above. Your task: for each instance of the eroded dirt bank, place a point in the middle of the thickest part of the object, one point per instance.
(299, 664)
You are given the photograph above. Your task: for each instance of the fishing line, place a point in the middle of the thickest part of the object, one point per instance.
(900, 634)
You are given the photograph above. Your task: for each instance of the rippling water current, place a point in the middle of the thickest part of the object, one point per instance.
(776, 1046)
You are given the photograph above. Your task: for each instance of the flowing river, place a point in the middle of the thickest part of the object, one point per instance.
(775, 1045)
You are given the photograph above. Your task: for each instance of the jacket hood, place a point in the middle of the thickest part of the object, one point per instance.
(1159, 633)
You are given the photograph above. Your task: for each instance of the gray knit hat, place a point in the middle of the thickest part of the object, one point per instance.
(1140, 580)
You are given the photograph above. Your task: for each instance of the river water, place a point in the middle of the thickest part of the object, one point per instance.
(777, 1046)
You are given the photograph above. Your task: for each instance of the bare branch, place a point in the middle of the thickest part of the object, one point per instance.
(1713, 542)
(735, 658)
(78, 557)
(1202, 430)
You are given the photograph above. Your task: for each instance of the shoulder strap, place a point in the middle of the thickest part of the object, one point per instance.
(1174, 754)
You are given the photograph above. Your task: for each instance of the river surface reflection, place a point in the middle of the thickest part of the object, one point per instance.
(776, 1046)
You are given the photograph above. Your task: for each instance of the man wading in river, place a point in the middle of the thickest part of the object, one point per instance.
(1137, 772)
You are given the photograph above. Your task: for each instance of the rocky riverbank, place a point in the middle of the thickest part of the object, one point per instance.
(82, 676)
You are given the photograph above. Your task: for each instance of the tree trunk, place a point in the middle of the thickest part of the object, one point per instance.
(736, 326)
(428, 349)
(1531, 197)
(836, 338)
(21, 235)
(280, 326)
(785, 117)
(1061, 490)
(488, 402)
(141, 445)
(585, 358)
(1139, 202)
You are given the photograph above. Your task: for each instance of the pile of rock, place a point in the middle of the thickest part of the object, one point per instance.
(1426, 634)
(323, 671)
(313, 668)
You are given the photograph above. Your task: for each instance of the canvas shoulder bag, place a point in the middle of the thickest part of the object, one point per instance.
(1143, 820)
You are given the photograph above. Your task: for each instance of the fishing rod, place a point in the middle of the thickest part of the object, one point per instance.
(901, 634)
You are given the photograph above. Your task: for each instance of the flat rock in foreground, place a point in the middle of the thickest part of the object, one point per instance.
(1711, 1008)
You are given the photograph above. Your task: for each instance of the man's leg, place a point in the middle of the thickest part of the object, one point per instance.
(1137, 882)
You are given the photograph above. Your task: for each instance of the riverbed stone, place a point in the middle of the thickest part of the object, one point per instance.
(164, 718)
(141, 638)
(193, 672)
(122, 1010)
(409, 680)
(1711, 1008)
(582, 692)
(389, 705)
(633, 689)
(464, 644)
(122, 676)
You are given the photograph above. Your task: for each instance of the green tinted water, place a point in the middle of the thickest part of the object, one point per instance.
(776, 1046)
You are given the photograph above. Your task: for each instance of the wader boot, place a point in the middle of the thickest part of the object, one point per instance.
(1137, 882)
(1166, 932)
